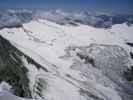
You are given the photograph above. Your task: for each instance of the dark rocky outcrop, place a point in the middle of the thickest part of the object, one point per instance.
(12, 69)
(130, 44)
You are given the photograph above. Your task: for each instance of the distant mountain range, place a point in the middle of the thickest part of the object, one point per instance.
(15, 18)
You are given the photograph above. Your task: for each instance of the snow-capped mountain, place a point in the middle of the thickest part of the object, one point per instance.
(15, 18)
(65, 56)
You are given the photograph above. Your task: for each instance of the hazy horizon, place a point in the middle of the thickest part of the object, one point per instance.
(116, 6)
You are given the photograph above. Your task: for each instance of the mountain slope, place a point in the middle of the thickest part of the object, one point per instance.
(75, 62)
(14, 70)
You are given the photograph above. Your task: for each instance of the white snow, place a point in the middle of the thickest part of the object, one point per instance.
(45, 42)
(5, 92)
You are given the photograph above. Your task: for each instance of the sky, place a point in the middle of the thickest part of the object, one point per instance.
(119, 6)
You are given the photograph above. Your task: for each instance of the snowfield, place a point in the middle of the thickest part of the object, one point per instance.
(82, 62)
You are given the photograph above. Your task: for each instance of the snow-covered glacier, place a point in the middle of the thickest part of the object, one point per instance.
(44, 60)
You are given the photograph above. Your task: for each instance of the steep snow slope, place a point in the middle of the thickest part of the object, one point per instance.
(79, 66)
(14, 69)
(5, 94)
(51, 39)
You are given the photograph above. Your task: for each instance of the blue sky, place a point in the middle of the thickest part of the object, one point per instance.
(125, 6)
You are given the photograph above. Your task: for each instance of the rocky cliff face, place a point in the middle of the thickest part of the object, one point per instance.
(13, 70)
